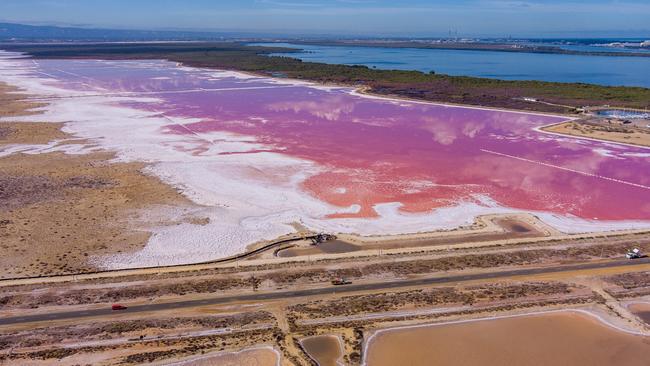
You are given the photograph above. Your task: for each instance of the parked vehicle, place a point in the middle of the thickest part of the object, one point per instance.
(341, 281)
(634, 254)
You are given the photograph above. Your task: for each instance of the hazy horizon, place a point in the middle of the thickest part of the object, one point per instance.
(379, 18)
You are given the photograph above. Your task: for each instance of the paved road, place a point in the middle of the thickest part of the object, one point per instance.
(329, 289)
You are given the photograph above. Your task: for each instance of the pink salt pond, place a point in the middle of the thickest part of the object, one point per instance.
(372, 151)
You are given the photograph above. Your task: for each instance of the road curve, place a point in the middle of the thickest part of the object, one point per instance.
(329, 289)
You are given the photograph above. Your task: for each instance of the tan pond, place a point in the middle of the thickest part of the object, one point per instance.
(247, 357)
(325, 350)
(559, 339)
(642, 310)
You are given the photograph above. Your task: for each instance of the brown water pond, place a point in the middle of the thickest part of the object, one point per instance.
(325, 350)
(642, 311)
(327, 247)
(559, 339)
(512, 229)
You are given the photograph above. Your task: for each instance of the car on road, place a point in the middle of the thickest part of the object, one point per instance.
(118, 307)
(341, 281)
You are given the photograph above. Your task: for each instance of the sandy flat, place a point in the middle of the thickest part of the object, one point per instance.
(59, 211)
(631, 136)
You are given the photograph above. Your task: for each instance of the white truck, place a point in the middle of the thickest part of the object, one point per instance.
(633, 254)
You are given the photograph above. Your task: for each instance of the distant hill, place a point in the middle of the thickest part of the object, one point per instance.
(31, 33)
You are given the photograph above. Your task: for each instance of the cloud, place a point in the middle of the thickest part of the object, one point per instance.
(331, 108)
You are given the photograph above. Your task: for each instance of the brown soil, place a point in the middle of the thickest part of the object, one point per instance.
(143, 352)
(58, 211)
(113, 293)
(550, 339)
(631, 281)
(629, 285)
(390, 301)
(600, 131)
(119, 328)
(30, 133)
(14, 104)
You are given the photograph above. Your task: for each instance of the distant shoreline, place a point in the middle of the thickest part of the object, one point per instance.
(522, 95)
(477, 46)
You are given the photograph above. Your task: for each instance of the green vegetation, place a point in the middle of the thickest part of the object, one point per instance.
(411, 84)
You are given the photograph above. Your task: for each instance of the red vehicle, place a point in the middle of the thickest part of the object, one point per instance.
(118, 307)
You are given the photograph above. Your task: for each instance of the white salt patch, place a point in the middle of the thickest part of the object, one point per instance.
(637, 155)
(52, 146)
(606, 153)
(392, 221)
(576, 225)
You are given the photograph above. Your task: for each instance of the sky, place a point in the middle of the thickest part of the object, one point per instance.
(543, 18)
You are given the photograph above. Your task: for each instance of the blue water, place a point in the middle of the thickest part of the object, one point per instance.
(603, 70)
(617, 113)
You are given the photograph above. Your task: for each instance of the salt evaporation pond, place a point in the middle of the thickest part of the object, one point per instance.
(325, 350)
(559, 338)
(261, 153)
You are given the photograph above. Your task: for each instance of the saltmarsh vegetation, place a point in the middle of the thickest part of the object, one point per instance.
(566, 97)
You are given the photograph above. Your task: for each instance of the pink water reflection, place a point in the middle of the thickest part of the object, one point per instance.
(376, 151)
